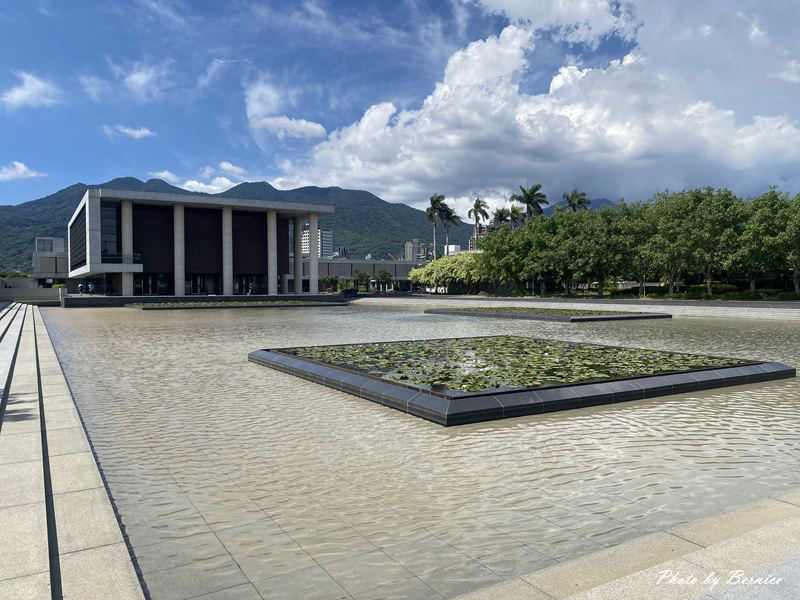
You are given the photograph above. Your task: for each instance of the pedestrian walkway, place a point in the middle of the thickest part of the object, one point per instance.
(752, 552)
(59, 537)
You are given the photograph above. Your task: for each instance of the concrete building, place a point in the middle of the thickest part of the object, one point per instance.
(451, 249)
(473, 239)
(145, 243)
(411, 250)
(49, 261)
(324, 242)
(346, 270)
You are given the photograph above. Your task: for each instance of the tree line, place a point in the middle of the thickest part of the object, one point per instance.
(701, 234)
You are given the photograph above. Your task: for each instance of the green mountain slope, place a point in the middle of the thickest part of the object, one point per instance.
(362, 221)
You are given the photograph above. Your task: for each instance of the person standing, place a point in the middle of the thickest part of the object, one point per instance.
(80, 289)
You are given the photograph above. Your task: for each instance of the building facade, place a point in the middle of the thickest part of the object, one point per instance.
(49, 261)
(145, 243)
(324, 242)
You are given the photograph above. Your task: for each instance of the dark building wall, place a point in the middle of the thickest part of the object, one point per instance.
(153, 237)
(77, 240)
(249, 242)
(283, 246)
(203, 240)
(110, 229)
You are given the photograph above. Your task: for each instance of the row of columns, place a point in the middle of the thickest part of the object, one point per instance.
(179, 252)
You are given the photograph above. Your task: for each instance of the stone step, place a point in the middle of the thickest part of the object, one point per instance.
(737, 539)
(24, 561)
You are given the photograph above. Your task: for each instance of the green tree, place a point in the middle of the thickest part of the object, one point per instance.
(448, 217)
(501, 216)
(636, 232)
(671, 244)
(434, 212)
(532, 198)
(576, 201)
(383, 278)
(712, 224)
(515, 216)
(760, 245)
(361, 279)
(790, 240)
(478, 212)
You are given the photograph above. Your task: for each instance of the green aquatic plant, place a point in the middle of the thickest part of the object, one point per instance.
(476, 364)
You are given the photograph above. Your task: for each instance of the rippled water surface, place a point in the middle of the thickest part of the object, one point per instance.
(231, 476)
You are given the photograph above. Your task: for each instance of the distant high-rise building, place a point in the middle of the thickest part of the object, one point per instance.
(473, 241)
(412, 250)
(341, 252)
(324, 242)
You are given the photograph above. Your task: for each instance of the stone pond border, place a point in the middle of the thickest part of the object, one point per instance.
(490, 405)
(501, 314)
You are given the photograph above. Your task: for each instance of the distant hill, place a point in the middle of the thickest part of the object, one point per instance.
(362, 221)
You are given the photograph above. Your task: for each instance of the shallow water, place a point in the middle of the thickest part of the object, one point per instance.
(229, 475)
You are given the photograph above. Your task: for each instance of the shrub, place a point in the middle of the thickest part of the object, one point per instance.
(58, 285)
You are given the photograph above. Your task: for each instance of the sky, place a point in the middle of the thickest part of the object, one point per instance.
(404, 99)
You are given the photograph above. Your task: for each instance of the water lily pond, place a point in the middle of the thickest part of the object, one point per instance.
(481, 363)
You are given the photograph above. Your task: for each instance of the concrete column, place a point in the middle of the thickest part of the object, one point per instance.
(126, 215)
(179, 251)
(227, 250)
(298, 255)
(272, 252)
(313, 254)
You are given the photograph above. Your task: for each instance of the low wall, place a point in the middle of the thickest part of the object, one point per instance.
(31, 295)
(86, 301)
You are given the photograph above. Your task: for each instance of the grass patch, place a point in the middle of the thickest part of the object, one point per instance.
(476, 364)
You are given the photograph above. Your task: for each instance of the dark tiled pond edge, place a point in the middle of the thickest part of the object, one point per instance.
(241, 305)
(500, 314)
(493, 406)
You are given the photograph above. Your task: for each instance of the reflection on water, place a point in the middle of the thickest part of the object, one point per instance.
(230, 475)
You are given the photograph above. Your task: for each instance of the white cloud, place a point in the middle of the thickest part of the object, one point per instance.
(790, 72)
(145, 82)
(166, 175)
(231, 169)
(682, 109)
(283, 126)
(584, 21)
(168, 12)
(16, 170)
(216, 185)
(262, 101)
(31, 91)
(212, 70)
(95, 87)
(136, 133)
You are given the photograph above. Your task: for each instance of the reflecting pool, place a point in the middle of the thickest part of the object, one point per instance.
(230, 476)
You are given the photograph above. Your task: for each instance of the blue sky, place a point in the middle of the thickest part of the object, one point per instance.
(404, 98)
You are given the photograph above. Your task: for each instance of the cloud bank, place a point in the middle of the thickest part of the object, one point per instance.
(708, 96)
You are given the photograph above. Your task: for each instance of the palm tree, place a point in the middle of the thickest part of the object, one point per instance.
(434, 212)
(478, 212)
(515, 216)
(501, 216)
(533, 199)
(448, 217)
(577, 201)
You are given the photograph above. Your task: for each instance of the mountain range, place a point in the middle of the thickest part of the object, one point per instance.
(362, 221)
